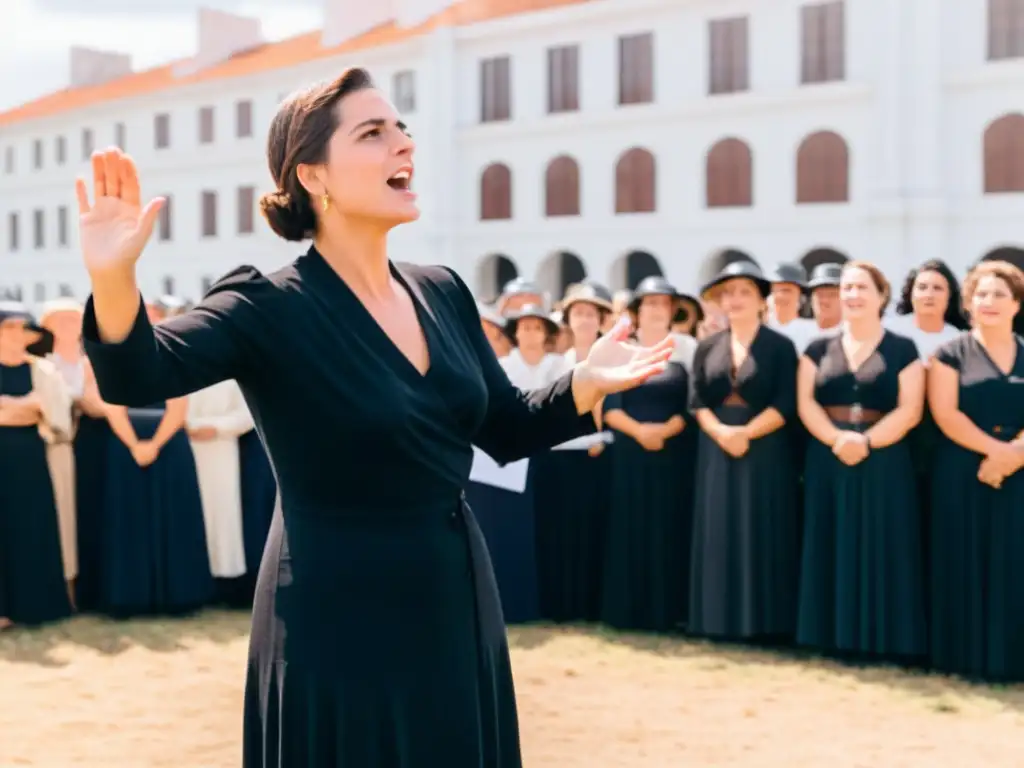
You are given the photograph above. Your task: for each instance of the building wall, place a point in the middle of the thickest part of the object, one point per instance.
(917, 97)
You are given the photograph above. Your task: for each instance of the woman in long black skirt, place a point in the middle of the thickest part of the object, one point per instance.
(32, 401)
(860, 393)
(259, 495)
(155, 558)
(650, 515)
(745, 534)
(378, 639)
(573, 487)
(976, 387)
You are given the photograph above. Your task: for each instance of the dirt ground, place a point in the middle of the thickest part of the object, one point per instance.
(168, 693)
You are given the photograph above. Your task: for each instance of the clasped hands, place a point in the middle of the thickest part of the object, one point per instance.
(851, 447)
(652, 436)
(1002, 461)
(145, 452)
(732, 439)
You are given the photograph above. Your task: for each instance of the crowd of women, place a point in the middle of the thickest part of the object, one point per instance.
(813, 467)
(156, 510)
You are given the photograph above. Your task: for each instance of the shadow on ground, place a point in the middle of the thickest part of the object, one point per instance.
(111, 637)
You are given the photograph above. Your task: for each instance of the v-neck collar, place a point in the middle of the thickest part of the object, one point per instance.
(992, 361)
(846, 358)
(423, 316)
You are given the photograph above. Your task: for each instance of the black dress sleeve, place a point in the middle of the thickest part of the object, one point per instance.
(698, 377)
(179, 356)
(613, 403)
(952, 352)
(906, 353)
(815, 351)
(519, 424)
(784, 379)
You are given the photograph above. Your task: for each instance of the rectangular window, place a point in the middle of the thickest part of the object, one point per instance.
(823, 35)
(404, 91)
(206, 125)
(162, 131)
(164, 227)
(728, 66)
(12, 231)
(636, 69)
(243, 119)
(37, 154)
(62, 225)
(564, 79)
(1005, 29)
(120, 136)
(38, 228)
(495, 89)
(88, 143)
(246, 210)
(209, 214)
(60, 150)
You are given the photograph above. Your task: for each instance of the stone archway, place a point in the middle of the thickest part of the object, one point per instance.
(630, 269)
(818, 256)
(492, 272)
(719, 260)
(558, 271)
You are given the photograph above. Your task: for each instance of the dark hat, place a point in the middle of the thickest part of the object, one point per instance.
(787, 272)
(590, 293)
(825, 275)
(530, 310)
(520, 286)
(744, 269)
(43, 345)
(656, 285)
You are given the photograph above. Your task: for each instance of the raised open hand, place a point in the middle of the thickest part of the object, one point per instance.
(114, 229)
(616, 364)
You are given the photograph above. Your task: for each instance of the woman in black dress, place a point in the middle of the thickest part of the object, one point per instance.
(571, 498)
(32, 587)
(377, 636)
(976, 389)
(650, 516)
(155, 556)
(860, 393)
(745, 533)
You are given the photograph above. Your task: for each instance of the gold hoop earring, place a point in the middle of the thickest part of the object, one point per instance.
(325, 203)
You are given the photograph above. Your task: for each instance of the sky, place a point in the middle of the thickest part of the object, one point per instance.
(36, 35)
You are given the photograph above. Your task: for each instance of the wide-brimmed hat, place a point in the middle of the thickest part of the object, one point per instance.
(825, 275)
(530, 310)
(587, 292)
(790, 273)
(43, 345)
(740, 270)
(656, 285)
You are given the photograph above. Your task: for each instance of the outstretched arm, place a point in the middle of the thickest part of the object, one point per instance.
(179, 356)
(135, 364)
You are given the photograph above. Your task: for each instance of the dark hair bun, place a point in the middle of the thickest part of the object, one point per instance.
(291, 219)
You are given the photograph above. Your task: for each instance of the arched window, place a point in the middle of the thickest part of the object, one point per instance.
(496, 192)
(562, 187)
(635, 182)
(1003, 149)
(823, 169)
(729, 175)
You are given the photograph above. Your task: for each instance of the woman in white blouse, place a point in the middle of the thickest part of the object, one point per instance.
(930, 309)
(217, 417)
(530, 365)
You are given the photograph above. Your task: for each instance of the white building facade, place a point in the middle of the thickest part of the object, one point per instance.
(776, 130)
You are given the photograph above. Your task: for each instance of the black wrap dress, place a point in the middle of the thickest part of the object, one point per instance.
(377, 637)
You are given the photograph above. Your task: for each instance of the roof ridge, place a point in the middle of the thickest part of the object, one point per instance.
(268, 57)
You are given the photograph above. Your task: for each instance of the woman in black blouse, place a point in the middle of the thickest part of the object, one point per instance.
(860, 393)
(745, 542)
(377, 636)
(976, 389)
(647, 555)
